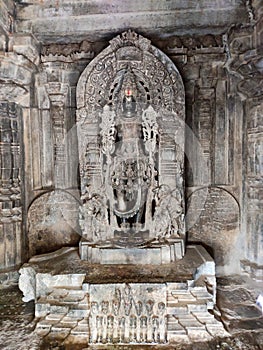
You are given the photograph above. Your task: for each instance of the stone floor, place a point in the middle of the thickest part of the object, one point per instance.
(236, 307)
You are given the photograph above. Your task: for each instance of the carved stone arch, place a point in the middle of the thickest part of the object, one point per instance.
(130, 125)
(157, 72)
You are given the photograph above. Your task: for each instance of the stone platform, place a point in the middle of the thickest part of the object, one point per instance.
(155, 254)
(109, 304)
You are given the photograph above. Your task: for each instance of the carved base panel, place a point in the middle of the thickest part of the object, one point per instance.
(79, 303)
(161, 254)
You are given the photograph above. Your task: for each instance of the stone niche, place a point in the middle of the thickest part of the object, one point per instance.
(133, 279)
(130, 125)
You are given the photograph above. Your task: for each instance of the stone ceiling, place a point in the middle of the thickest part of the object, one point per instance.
(65, 21)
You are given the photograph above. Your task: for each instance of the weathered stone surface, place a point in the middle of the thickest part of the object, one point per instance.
(221, 68)
(53, 222)
(47, 21)
(27, 46)
(17, 331)
(237, 302)
(217, 66)
(11, 184)
(7, 9)
(124, 312)
(213, 218)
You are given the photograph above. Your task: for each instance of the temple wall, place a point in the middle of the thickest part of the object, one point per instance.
(223, 84)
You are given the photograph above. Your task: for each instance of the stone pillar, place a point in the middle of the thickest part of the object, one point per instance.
(212, 135)
(246, 65)
(18, 63)
(10, 185)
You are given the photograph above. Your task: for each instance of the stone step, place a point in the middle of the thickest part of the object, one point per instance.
(67, 295)
(217, 330)
(199, 304)
(176, 328)
(69, 321)
(197, 307)
(177, 310)
(68, 301)
(191, 324)
(177, 286)
(183, 298)
(177, 338)
(80, 331)
(44, 326)
(205, 317)
(54, 317)
(198, 294)
(57, 293)
(78, 313)
(59, 309)
(59, 331)
(198, 335)
(83, 322)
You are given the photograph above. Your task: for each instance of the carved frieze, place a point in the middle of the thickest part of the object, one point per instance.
(131, 313)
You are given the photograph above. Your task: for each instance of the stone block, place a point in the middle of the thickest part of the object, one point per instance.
(217, 330)
(42, 309)
(176, 285)
(76, 294)
(178, 338)
(192, 71)
(46, 324)
(197, 307)
(154, 256)
(78, 313)
(185, 298)
(45, 283)
(175, 328)
(54, 317)
(69, 321)
(25, 45)
(42, 332)
(198, 335)
(59, 331)
(204, 317)
(57, 294)
(80, 331)
(27, 283)
(190, 322)
(59, 309)
(177, 310)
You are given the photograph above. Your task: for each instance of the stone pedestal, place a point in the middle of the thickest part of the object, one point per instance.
(156, 255)
(79, 302)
